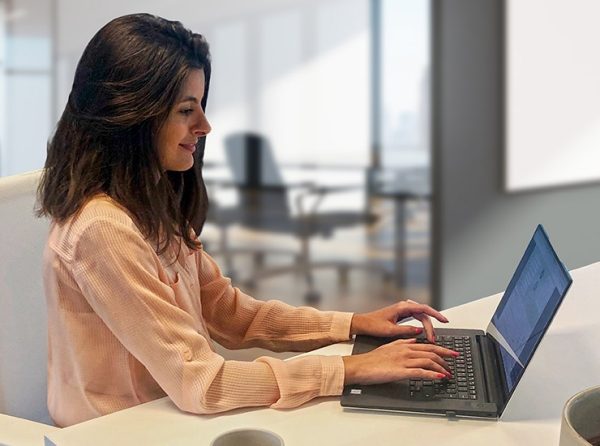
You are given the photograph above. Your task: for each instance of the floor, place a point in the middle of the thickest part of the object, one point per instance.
(364, 290)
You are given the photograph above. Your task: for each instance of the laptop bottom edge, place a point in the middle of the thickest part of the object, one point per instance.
(447, 414)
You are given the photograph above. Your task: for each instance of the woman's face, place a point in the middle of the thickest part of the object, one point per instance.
(186, 123)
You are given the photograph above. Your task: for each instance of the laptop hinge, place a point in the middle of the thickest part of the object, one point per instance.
(491, 370)
(499, 379)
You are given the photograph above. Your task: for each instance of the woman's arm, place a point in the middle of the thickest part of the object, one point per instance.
(119, 275)
(236, 320)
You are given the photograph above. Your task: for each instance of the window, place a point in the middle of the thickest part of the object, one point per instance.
(26, 81)
(404, 83)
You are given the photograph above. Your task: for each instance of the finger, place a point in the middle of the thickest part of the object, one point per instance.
(427, 325)
(401, 341)
(432, 356)
(424, 374)
(426, 309)
(407, 330)
(440, 351)
(427, 364)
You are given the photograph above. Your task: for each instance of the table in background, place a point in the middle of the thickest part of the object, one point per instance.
(566, 362)
(401, 186)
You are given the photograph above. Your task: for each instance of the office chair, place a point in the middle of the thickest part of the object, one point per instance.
(23, 325)
(264, 206)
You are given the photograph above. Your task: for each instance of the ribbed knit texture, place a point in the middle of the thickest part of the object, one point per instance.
(127, 326)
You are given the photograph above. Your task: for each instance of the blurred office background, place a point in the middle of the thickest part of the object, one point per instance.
(316, 108)
(370, 131)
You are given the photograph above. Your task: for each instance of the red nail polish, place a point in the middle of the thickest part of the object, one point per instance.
(455, 354)
(441, 375)
(418, 330)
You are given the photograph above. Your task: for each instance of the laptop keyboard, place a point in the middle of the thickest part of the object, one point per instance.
(462, 385)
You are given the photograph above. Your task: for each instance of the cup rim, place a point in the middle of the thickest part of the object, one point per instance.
(570, 402)
(242, 429)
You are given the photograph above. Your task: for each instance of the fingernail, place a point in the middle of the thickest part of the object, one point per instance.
(441, 375)
(455, 353)
(418, 330)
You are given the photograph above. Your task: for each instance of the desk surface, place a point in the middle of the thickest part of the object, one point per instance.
(566, 362)
(19, 432)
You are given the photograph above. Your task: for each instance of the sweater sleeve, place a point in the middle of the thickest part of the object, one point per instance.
(236, 320)
(119, 275)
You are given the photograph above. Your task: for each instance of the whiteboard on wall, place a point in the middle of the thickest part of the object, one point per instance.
(552, 93)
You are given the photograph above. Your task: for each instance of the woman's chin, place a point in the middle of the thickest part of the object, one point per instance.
(180, 167)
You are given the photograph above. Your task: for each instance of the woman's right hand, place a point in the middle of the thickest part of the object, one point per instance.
(398, 360)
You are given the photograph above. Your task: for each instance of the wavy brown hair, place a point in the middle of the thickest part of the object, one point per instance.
(125, 85)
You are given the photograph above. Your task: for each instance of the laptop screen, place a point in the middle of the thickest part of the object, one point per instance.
(528, 306)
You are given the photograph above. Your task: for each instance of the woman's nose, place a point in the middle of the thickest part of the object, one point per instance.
(203, 128)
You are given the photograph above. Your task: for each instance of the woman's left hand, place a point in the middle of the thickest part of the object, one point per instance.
(383, 322)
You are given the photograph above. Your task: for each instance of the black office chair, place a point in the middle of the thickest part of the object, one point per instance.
(264, 206)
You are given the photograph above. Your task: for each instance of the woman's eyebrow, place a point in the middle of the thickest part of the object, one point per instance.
(190, 98)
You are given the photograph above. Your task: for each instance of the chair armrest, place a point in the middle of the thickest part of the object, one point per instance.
(320, 192)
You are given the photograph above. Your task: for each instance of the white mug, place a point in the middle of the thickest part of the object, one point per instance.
(580, 424)
(248, 437)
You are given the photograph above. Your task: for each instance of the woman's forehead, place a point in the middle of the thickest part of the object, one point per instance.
(193, 87)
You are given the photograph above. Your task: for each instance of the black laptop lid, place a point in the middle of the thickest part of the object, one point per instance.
(527, 307)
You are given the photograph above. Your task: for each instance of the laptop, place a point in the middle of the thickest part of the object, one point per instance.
(491, 363)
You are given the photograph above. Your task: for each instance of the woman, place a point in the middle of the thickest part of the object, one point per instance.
(134, 302)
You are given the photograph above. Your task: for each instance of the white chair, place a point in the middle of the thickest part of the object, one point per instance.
(23, 325)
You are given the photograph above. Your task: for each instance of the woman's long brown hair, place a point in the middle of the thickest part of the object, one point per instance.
(125, 85)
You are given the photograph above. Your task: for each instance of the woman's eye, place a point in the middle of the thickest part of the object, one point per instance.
(187, 111)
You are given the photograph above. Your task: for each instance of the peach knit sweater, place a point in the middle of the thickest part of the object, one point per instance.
(127, 326)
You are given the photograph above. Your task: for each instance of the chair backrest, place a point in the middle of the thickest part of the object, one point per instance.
(23, 324)
(252, 161)
(263, 201)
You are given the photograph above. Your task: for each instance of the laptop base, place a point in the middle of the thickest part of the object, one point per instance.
(396, 396)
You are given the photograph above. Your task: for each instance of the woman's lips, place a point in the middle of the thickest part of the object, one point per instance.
(189, 147)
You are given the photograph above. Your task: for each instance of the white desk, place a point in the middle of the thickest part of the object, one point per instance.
(19, 432)
(567, 360)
